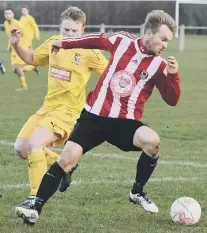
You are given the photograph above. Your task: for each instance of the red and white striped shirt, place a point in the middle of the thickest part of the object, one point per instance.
(129, 78)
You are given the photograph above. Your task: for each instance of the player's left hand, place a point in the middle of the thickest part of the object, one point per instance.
(172, 65)
(56, 45)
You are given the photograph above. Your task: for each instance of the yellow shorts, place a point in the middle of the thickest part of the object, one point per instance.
(59, 120)
(15, 59)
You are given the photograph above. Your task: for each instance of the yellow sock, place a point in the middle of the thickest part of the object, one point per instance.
(28, 67)
(37, 167)
(23, 81)
(50, 156)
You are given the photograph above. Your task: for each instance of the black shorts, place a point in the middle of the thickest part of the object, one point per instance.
(92, 130)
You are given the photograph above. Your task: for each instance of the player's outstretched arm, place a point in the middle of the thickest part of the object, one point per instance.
(25, 54)
(89, 41)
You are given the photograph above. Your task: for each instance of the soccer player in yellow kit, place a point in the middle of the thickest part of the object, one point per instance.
(32, 32)
(16, 61)
(30, 25)
(68, 74)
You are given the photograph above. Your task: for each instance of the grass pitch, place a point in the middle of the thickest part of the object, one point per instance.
(97, 200)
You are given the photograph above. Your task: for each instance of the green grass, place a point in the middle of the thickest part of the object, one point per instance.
(98, 200)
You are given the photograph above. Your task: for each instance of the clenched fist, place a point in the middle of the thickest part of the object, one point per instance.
(15, 36)
(172, 65)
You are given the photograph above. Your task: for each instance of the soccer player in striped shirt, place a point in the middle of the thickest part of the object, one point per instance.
(114, 109)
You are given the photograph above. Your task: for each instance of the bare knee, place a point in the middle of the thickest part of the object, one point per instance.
(152, 146)
(21, 149)
(148, 140)
(70, 156)
(15, 68)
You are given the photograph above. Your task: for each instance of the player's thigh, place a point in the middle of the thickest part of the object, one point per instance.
(40, 138)
(121, 133)
(30, 126)
(89, 131)
(60, 121)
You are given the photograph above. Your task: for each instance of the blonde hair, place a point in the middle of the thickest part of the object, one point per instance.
(156, 18)
(75, 14)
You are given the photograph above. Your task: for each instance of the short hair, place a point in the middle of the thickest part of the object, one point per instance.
(73, 13)
(25, 6)
(8, 8)
(156, 18)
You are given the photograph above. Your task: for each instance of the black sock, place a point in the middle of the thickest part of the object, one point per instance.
(49, 185)
(145, 167)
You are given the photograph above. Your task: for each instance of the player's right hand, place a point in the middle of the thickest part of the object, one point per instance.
(15, 36)
(56, 45)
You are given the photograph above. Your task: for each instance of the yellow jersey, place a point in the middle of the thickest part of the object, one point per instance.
(68, 74)
(12, 25)
(32, 30)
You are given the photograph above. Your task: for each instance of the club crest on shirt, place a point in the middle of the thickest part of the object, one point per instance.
(122, 83)
(76, 58)
(143, 74)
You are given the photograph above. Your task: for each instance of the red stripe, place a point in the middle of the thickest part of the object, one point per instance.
(93, 95)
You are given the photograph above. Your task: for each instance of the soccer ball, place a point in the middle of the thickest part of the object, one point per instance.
(185, 210)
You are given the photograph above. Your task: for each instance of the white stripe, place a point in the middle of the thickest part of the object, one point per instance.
(119, 156)
(152, 68)
(123, 182)
(87, 107)
(122, 48)
(116, 105)
(113, 38)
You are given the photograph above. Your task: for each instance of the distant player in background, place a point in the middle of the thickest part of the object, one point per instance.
(69, 72)
(30, 25)
(17, 63)
(2, 68)
(32, 30)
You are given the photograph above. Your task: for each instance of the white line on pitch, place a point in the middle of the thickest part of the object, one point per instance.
(119, 156)
(124, 182)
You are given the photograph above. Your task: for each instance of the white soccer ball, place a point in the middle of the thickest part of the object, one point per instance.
(185, 210)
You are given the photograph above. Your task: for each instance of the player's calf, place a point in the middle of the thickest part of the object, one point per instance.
(148, 140)
(66, 179)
